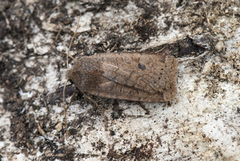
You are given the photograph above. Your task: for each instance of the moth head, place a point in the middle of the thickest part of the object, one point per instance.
(70, 75)
(86, 74)
(74, 75)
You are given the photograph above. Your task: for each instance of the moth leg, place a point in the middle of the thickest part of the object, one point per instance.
(71, 100)
(144, 108)
(99, 108)
(117, 111)
(147, 112)
(116, 43)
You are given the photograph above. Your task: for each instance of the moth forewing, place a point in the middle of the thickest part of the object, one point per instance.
(128, 76)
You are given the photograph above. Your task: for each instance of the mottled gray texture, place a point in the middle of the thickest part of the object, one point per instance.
(201, 123)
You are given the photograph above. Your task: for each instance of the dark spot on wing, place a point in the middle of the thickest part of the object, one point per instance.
(141, 66)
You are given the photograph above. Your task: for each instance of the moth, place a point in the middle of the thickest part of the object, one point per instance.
(145, 77)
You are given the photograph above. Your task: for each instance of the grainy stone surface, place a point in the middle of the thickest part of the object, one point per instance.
(201, 123)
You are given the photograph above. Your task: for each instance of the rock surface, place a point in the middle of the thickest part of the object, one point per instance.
(201, 123)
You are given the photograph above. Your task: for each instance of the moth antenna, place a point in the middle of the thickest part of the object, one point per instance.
(72, 40)
(64, 89)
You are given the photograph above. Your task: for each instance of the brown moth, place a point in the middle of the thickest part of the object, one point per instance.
(129, 76)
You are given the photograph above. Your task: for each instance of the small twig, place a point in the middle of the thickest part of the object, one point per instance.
(46, 106)
(19, 83)
(161, 49)
(40, 130)
(114, 45)
(59, 31)
(65, 115)
(58, 5)
(6, 19)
